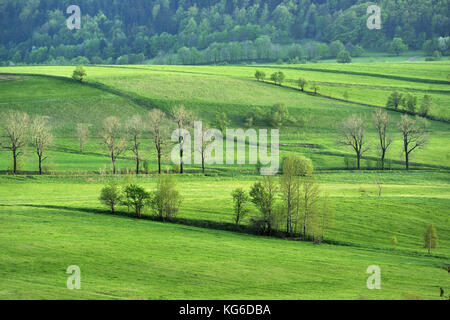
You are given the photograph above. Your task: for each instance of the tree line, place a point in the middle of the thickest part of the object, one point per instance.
(414, 135)
(296, 206)
(195, 31)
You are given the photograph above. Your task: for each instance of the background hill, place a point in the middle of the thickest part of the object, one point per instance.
(200, 32)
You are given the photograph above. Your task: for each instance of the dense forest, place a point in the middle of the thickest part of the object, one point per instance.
(214, 31)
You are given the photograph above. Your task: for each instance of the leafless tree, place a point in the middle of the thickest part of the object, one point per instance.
(352, 135)
(414, 135)
(41, 138)
(156, 120)
(135, 129)
(113, 139)
(183, 120)
(15, 125)
(201, 147)
(83, 135)
(381, 121)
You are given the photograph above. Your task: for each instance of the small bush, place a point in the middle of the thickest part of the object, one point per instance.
(111, 196)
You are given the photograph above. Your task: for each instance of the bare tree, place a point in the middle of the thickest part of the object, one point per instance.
(156, 119)
(41, 138)
(352, 133)
(135, 129)
(201, 147)
(183, 120)
(15, 125)
(113, 139)
(381, 121)
(82, 134)
(414, 135)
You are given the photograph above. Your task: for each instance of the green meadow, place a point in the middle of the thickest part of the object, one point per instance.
(52, 221)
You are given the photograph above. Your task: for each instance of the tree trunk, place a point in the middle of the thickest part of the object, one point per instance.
(15, 162)
(137, 165)
(203, 164)
(359, 161)
(113, 164)
(159, 162)
(112, 208)
(181, 160)
(407, 160)
(40, 165)
(383, 154)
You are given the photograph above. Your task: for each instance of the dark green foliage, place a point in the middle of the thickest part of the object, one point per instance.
(398, 46)
(136, 197)
(217, 31)
(394, 100)
(409, 102)
(344, 57)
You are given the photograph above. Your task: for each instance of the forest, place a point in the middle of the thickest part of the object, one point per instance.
(215, 31)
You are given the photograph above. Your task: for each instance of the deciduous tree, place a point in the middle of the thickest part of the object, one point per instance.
(381, 121)
(240, 198)
(41, 138)
(352, 132)
(15, 125)
(156, 120)
(135, 128)
(113, 139)
(413, 134)
(183, 119)
(83, 135)
(430, 240)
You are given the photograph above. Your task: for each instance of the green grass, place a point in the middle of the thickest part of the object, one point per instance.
(205, 90)
(124, 258)
(54, 221)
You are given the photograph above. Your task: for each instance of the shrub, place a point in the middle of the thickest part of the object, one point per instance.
(260, 75)
(165, 200)
(79, 74)
(344, 57)
(111, 196)
(136, 197)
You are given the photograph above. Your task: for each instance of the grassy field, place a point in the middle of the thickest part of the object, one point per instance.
(53, 221)
(50, 226)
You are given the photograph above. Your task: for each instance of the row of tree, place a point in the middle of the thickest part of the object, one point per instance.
(409, 103)
(413, 132)
(21, 131)
(164, 201)
(117, 137)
